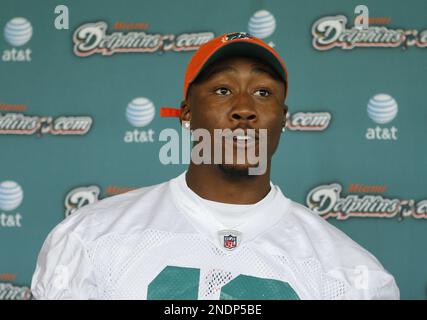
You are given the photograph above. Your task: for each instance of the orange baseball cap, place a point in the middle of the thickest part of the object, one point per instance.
(230, 44)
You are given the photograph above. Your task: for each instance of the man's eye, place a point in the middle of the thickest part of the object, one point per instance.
(222, 91)
(262, 93)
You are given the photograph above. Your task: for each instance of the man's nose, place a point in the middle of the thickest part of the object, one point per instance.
(244, 109)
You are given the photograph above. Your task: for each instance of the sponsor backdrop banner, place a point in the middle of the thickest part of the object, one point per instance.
(81, 84)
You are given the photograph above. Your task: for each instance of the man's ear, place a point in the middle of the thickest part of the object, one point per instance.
(285, 113)
(185, 114)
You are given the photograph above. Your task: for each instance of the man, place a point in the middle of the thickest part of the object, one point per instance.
(216, 231)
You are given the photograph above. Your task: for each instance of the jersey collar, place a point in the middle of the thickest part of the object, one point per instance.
(201, 217)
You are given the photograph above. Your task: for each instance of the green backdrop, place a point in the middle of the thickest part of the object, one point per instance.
(39, 170)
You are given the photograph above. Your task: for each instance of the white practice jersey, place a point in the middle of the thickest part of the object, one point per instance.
(159, 242)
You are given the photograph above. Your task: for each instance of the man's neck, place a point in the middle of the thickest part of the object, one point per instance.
(212, 183)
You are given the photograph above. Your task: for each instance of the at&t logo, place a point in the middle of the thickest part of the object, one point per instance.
(382, 109)
(17, 32)
(139, 113)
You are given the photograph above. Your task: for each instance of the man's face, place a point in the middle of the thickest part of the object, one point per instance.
(241, 93)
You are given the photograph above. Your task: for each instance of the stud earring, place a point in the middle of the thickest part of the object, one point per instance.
(186, 124)
(283, 129)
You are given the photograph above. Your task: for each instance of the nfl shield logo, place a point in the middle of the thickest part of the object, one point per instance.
(230, 241)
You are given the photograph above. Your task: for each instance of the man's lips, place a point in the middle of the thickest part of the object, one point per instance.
(238, 143)
(240, 134)
(242, 138)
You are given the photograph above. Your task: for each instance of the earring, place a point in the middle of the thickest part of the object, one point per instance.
(186, 124)
(283, 129)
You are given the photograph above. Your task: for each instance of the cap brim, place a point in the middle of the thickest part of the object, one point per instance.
(247, 49)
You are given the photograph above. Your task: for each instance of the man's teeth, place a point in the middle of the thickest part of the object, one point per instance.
(243, 137)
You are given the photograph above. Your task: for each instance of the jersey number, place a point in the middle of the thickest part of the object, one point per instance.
(178, 283)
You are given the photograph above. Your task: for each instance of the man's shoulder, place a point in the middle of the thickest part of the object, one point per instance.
(340, 257)
(120, 202)
(330, 244)
(120, 214)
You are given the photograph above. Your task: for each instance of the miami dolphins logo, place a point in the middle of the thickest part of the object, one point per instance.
(236, 35)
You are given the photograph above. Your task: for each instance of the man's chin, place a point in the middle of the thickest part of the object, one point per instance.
(235, 170)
